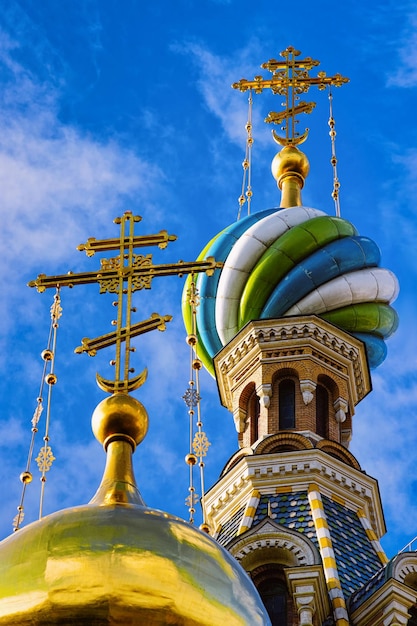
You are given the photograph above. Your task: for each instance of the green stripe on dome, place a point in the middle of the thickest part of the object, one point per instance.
(288, 250)
(187, 314)
(367, 317)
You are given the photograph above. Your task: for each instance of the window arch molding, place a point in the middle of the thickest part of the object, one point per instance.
(339, 452)
(269, 542)
(273, 443)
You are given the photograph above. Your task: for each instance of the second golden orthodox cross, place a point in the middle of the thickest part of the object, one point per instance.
(123, 275)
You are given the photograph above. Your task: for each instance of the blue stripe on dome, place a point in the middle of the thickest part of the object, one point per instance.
(207, 285)
(340, 256)
(376, 348)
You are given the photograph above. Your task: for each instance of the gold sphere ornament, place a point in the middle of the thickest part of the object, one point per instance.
(192, 340)
(26, 477)
(47, 355)
(205, 528)
(120, 416)
(290, 168)
(290, 161)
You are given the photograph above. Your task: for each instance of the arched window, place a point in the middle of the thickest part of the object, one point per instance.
(253, 414)
(286, 396)
(322, 411)
(274, 596)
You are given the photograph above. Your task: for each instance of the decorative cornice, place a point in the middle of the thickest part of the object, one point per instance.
(296, 471)
(290, 339)
(387, 605)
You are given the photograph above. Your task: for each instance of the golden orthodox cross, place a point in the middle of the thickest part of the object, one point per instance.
(123, 275)
(290, 78)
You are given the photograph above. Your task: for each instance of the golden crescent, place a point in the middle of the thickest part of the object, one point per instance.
(295, 141)
(112, 386)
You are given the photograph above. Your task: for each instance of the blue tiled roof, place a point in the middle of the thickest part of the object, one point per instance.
(229, 530)
(355, 556)
(371, 586)
(288, 509)
(356, 559)
(368, 589)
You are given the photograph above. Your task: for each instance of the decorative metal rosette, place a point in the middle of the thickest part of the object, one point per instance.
(297, 261)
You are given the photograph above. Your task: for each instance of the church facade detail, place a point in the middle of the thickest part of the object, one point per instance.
(293, 505)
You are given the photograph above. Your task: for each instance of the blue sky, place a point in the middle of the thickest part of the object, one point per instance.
(110, 106)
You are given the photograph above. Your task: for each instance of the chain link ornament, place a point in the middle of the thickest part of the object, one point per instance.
(333, 159)
(18, 518)
(37, 414)
(56, 309)
(191, 397)
(192, 499)
(198, 442)
(45, 459)
(246, 192)
(201, 444)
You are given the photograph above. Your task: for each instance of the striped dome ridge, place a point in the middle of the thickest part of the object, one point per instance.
(296, 261)
(283, 255)
(371, 317)
(351, 253)
(219, 247)
(242, 260)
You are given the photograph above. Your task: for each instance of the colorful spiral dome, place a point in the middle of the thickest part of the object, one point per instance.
(294, 261)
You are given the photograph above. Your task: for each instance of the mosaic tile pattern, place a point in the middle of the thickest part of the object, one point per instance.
(229, 530)
(288, 509)
(368, 589)
(356, 559)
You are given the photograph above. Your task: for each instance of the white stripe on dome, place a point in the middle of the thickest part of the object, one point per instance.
(243, 257)
(368, 285)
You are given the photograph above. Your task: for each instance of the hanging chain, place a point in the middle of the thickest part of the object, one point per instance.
(333, 160)
(45, 457)
(198, 442)
(48, 357)
(247, 163)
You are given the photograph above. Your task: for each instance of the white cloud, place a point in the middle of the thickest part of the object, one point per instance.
(385, 438)
(57, 183)
(406, 75)
(216, 75)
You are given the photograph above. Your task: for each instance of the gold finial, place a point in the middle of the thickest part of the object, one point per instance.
(119, 423)
(290, 168)
(123, 275)
(290, 78)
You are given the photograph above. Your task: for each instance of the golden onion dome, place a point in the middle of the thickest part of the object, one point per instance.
(115, 561)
